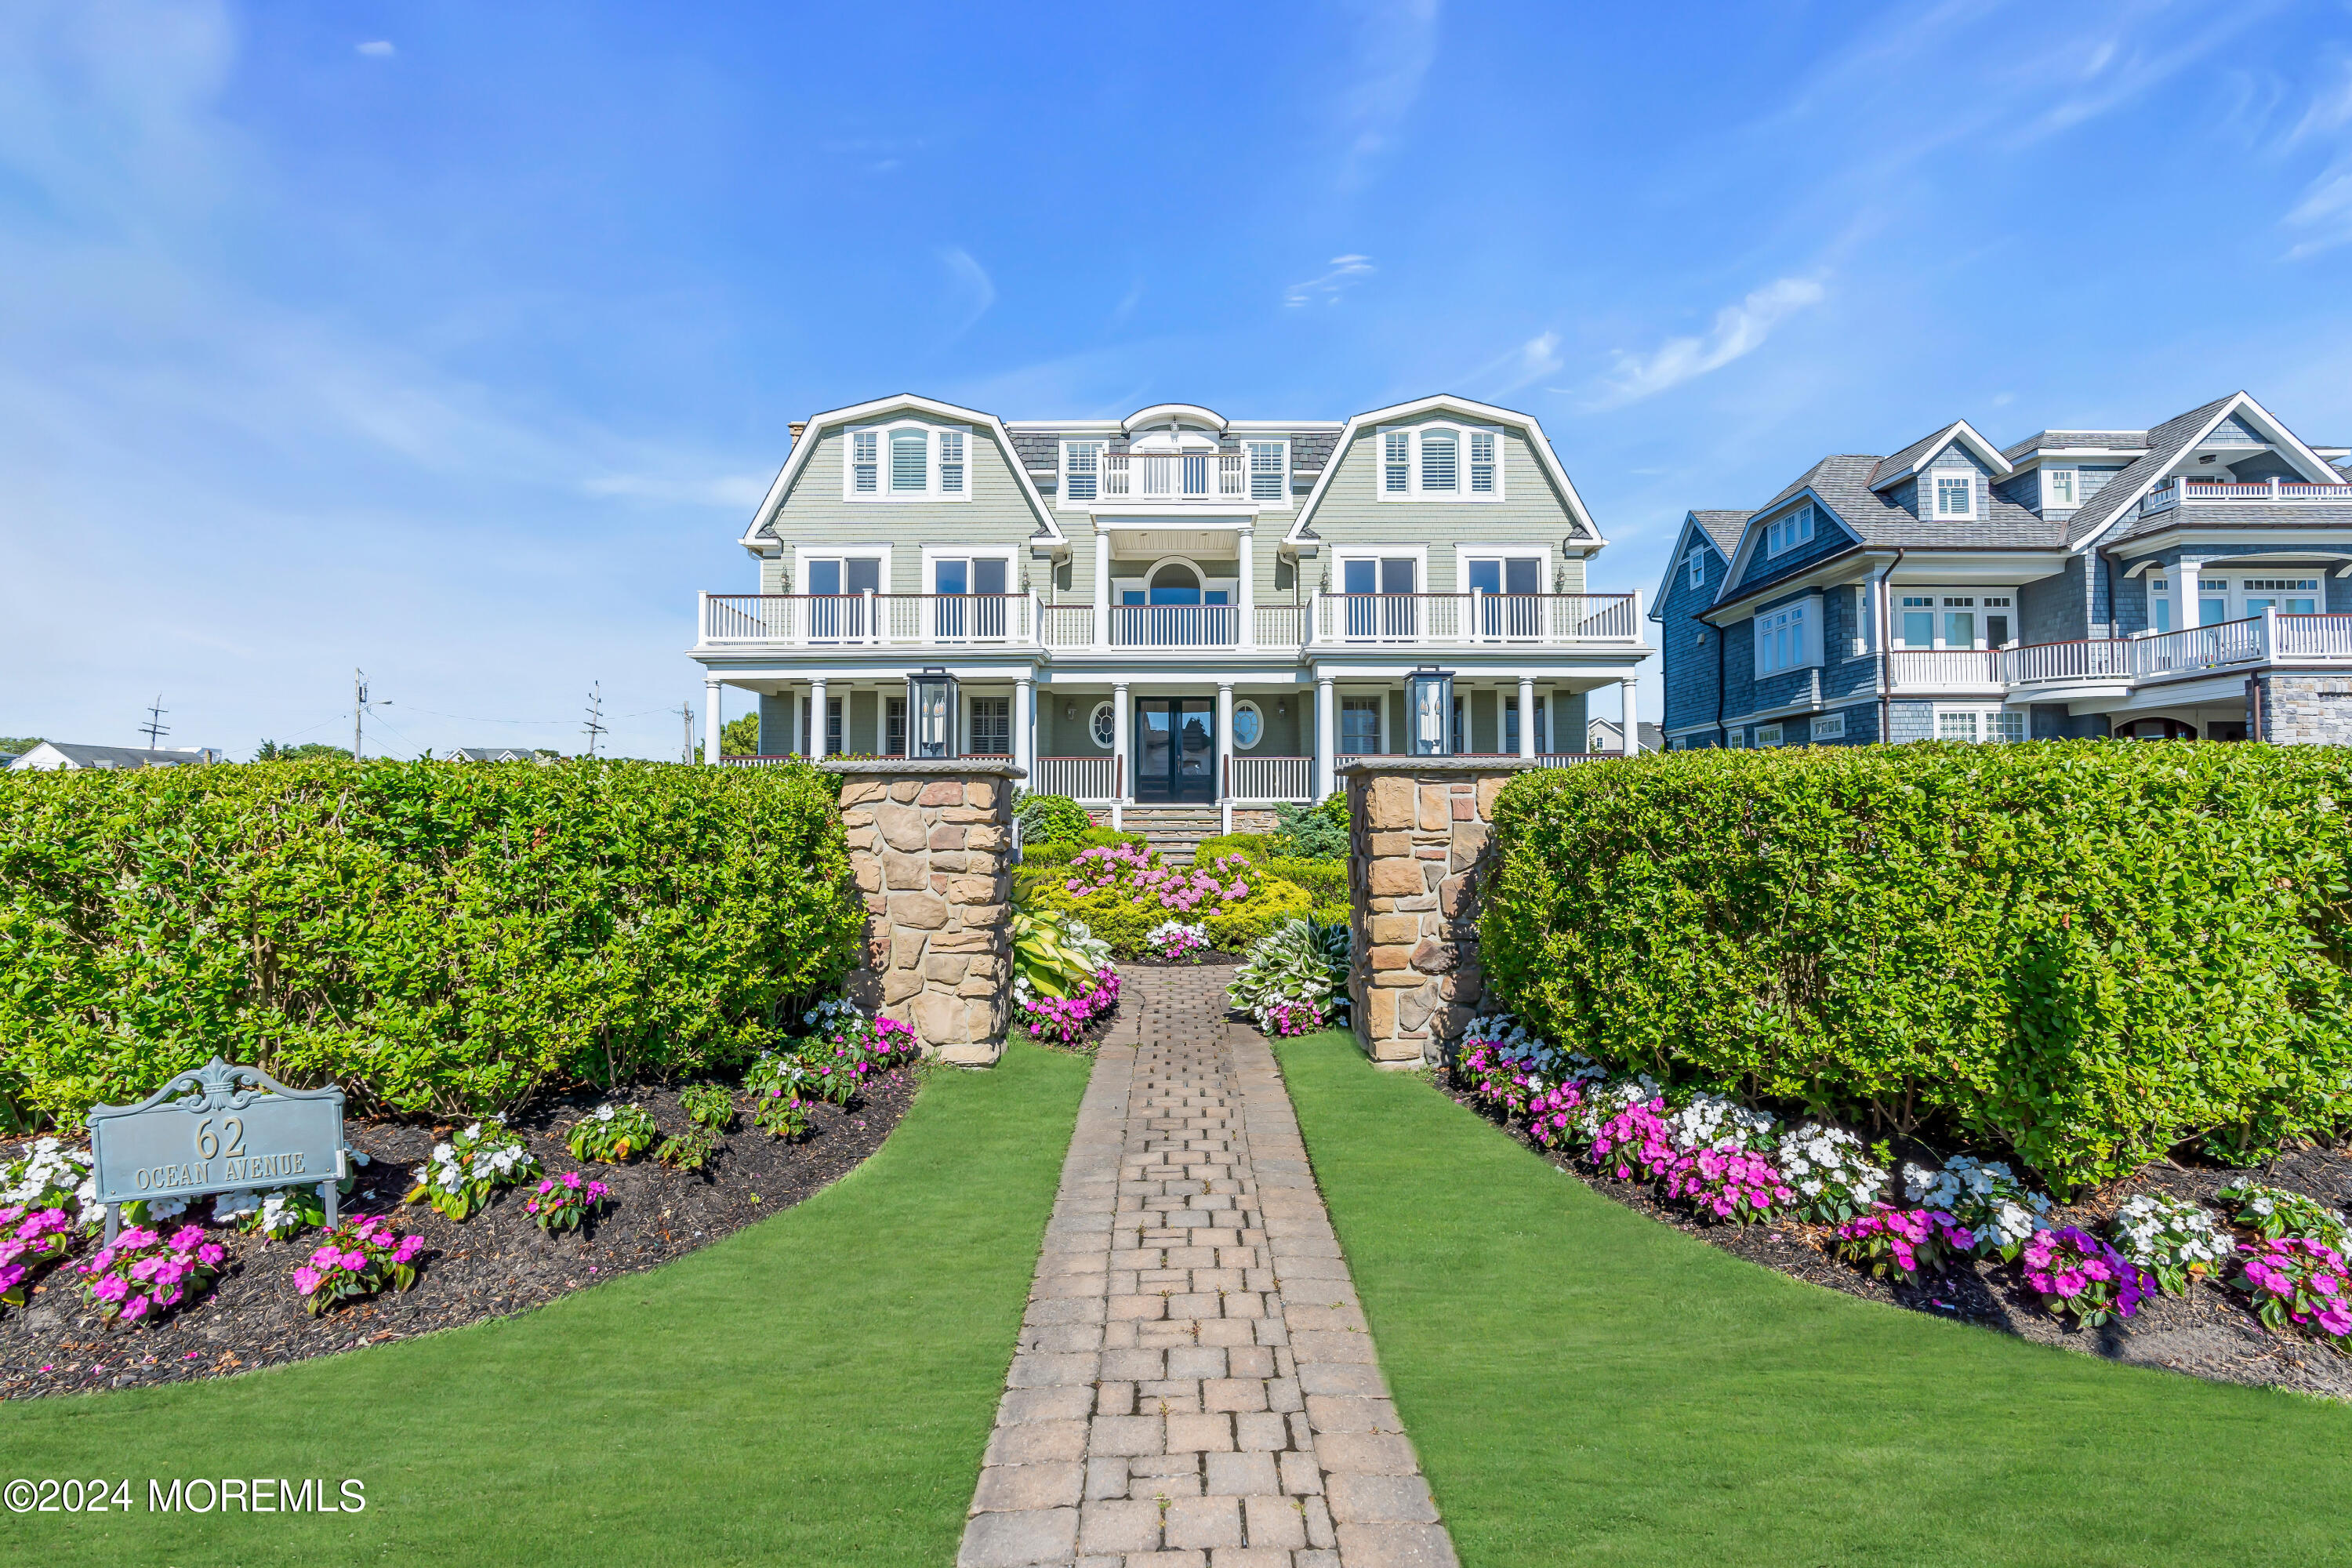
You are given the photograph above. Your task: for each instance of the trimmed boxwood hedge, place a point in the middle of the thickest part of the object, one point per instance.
(434, 936)
(2090, 951)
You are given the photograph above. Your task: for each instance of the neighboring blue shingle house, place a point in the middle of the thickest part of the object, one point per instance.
(2181, 581)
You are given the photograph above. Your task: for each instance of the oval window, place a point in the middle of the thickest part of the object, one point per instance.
(1103, 725)
(1249, 725)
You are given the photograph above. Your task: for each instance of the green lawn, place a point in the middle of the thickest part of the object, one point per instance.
(1587, 1386)
(816, 1389)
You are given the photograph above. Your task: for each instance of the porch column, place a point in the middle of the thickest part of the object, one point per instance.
(1025, 720)
(1326, 725)
(1627, 686)
(1122, 789)
(711, 719)
(2184, 594)
(817, 737)
(1246, 589)
(1102, 589)
(1225, 754)
(1526, 715)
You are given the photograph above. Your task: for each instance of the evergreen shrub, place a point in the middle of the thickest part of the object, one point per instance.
(2089, 951)
(434, 936)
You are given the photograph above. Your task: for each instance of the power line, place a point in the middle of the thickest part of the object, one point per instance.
(595, 725)
(155, 729)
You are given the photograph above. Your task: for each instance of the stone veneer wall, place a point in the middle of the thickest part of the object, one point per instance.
(1415, 869)
(930, 844)
(2302, 709)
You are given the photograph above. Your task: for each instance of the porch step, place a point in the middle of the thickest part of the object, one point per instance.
(1175, 831)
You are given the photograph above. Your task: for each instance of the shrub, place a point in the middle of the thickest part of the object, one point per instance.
(1273, 902)
(1065, 1020)
(1254, 848)
(1986, 1196)
(708, 1105)
(1312, 832)
(1903, 1243)
(146, 1272)
(2174, 1241)
(2078, 1274)
(1122, 892)
(613, 1134)
(462, 1174)
(1296, 978)
(565, 1201)
(1177, 942)
(2297, 1282)
(30, 1240)
(1326, 881)
(1834, 1175)
(435, 937)
(1051, 819)
(2087, 951)
(2274, 1211)
(1062, 851)
(358, 1258)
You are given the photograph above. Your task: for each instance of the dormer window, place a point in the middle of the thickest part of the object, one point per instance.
(1081, 469)
(1440, 462)
(1694, 567)
(907, 462)
(1785, 533)
(1269, 471)
(1956, 496)
(2058, 488)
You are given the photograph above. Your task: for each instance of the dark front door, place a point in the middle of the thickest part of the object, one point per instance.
(1175, 749)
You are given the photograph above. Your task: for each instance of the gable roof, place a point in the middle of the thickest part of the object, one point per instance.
(72, 754)
(2165, 444)
(1920, 453)
(1722, 528)
(2076, 440)
(1443, 401)
(764, 521)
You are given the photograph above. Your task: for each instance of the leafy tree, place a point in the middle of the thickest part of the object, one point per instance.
(740, 737)
(310, 751)
(17, 745)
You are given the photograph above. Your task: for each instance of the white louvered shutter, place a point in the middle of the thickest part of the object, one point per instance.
(1440, 462)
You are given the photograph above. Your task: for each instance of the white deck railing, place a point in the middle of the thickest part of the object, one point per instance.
(1281, 625)
(1272, 778)
(1174, 475)
(2178, 490)
(2257, 640)
(1175, 626)
(1080, 778)
(1475, 617)
(867, 619)
(1947, 667)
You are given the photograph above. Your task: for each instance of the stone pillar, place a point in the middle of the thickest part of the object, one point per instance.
(1415, 871)
(930, 844)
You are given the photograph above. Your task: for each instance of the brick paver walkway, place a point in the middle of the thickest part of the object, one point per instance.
(1195, 1386)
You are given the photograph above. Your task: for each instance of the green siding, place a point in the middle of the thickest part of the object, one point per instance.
(1531, 512)
(814, 513)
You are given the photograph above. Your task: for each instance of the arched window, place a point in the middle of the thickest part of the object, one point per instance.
(1175, 583)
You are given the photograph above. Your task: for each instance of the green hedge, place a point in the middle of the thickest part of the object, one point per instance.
(1115, 916)
(1062, 851)
(2090, 951)
(435, 936)
(1251, 846)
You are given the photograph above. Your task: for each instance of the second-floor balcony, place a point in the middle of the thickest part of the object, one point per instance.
(1176, 477)
(2022, 671)
(1323, 620)
(2180, 490)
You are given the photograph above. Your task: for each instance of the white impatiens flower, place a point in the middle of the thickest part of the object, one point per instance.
(604, 1114)
(1713, 1121)
(1831, 1168)
(1984, 1195)
(2175, 1239)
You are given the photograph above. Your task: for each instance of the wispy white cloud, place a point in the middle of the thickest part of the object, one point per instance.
(969, 287)
(1739, 328)
(379, 48)
(1396, 43)
(1126, 306)
(2322, 219)
(1516, 368)
(1345, 273)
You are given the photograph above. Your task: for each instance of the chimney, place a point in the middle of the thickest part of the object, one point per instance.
(794, 429)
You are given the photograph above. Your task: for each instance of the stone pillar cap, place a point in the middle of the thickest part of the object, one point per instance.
(1411, 764)
(925, 767)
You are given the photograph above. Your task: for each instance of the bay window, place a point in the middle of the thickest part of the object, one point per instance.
(1789, 638)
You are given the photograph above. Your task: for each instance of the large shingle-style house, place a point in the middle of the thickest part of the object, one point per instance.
(1174, 607)
(2187, 581)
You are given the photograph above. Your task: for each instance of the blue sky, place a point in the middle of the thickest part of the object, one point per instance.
(456, 340)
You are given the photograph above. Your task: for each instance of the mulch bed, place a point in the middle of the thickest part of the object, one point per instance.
(499, 1262)
(2211, 1332)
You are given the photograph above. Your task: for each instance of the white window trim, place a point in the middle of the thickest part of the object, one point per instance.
(883, 494)
(1982, 711)
(1287, 502)
(1097, 711)
(1062, 499)
(804, 553)
(1806, 509)
(1694, 567)
(1380, 696)
(1462, 433)
(964, 698)
(1937, 479)
(1769, 735)
(2050, 501)
(935, 553)
(1464, 553)
(1807, 610)
(1895, 609)
(1817, 732)
(1239, 704)
(1340, 557)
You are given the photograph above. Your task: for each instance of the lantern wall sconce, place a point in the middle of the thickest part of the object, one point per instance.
(932, 700)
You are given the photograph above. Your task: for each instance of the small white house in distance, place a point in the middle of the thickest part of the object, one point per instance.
(51, 756)
(490, 754)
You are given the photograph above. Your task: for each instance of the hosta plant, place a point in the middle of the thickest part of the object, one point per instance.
(611, 1135)
(2079, 1275)
(2295, 1282)
(1178, 942)
(1903, 1243)
(51, 1176)
(564, 1202)
(1728, 1184)
(2274, 1211)
(709, 1105)
(30, 1240)
(461, 1175)
(1295, 973)
(358, 1258)
(1053, 955)
(2173, 1240)
(1984, 1195)
(690, 1149)
(146, 1272)
(1832, 1172)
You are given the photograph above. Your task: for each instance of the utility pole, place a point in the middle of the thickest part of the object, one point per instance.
(155, 729)
(595, 714)
(359, 711)
(685, 714)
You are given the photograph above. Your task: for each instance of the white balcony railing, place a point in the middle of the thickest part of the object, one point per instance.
(2257, 640)
(1080, 778)
(869, 619)
(1067, 626)
(1174, 475)
(1272, 778)
(2178, 490)
(1943, 667)
(1475, 617)
(1175, 626)
(1281, 625)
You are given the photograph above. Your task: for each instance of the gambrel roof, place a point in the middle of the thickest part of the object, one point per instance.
(1580, 518)
(764, 521)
